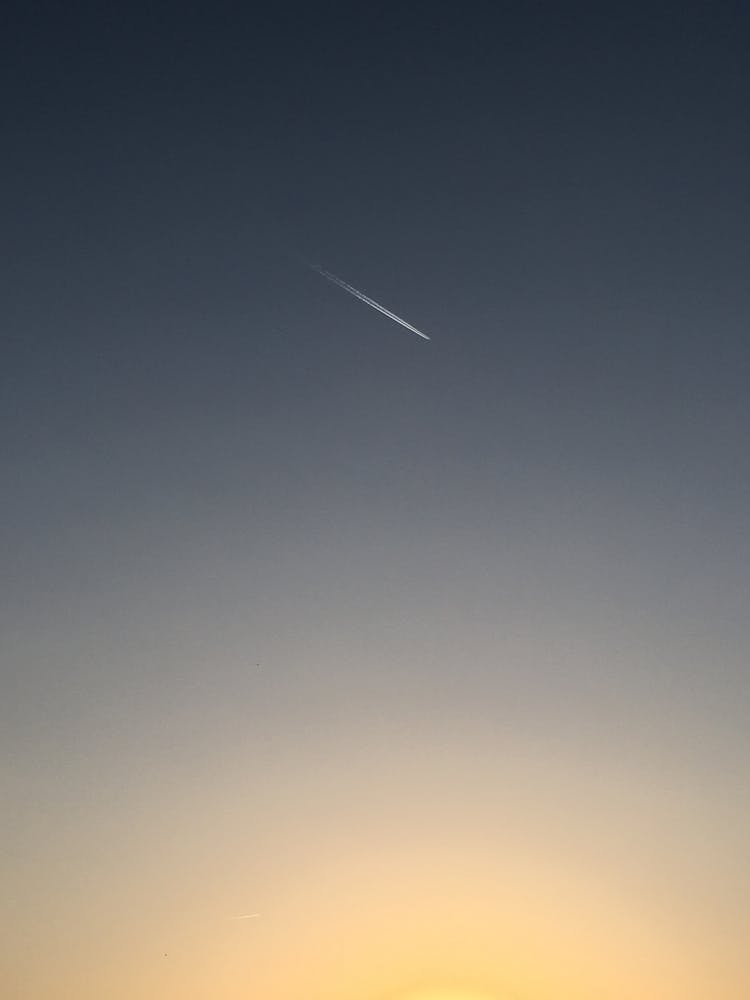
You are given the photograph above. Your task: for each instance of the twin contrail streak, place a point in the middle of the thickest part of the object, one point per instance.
(370, 302)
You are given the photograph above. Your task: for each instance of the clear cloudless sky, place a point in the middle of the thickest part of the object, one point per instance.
(433, 655)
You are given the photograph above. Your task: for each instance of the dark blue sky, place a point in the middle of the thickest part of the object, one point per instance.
(534, 527)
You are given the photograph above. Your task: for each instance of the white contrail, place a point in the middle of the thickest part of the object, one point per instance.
(246, 916)
(368, 300)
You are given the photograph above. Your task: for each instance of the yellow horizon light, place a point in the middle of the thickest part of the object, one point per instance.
(447, 995)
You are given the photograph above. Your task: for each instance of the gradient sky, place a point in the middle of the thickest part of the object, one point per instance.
(434, 655)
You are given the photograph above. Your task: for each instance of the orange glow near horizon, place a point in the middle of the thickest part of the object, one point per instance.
(447, 995)
(528, 892)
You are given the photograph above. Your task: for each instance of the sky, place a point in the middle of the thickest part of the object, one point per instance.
(431, 654)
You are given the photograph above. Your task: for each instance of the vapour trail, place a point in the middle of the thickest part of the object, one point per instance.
(370, 302)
